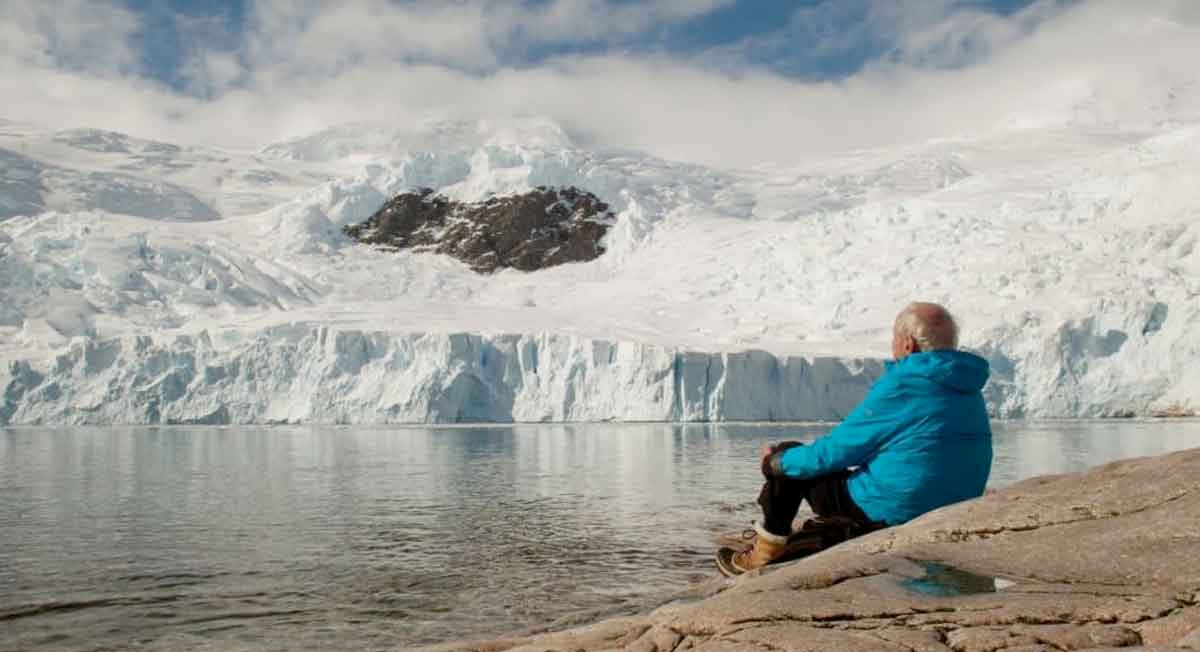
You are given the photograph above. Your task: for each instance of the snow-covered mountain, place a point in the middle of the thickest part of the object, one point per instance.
(145, 282)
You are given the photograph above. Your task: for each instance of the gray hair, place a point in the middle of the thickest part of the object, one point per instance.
(930, 325)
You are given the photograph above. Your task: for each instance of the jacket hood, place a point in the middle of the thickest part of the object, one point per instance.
(957, 370)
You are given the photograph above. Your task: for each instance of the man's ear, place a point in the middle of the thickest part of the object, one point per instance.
(910, 345)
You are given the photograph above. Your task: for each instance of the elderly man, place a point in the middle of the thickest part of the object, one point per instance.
(918, 441)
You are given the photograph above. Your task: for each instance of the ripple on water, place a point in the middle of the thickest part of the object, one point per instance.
(339, 539)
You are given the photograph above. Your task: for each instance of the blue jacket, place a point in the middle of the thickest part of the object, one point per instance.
(920, 439)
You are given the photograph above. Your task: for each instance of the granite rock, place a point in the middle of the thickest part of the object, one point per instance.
(1102, 560)
(530, 231)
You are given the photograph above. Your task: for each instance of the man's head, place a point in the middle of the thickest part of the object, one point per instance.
(923, 327)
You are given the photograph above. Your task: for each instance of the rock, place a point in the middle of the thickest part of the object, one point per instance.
(539, 229)
(1102, 560)
(1181, 629)
(656, 639)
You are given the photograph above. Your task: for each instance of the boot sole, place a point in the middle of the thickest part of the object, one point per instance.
(724, 559)
(801, 544)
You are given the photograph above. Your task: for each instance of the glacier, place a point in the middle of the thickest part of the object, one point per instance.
(307, 373)
(148, 282)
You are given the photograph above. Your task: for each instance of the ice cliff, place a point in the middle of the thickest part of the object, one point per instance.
(316, 374)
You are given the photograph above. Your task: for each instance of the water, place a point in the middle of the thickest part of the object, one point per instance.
(351, 539)
(942, 581)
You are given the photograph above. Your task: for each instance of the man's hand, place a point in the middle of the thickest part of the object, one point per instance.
(765, 461)
(767, 449)
(771, 466)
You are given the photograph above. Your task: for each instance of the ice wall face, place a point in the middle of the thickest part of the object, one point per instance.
(317, 374)
(1129, 358)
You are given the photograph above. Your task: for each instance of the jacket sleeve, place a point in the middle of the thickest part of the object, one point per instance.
(854, 441)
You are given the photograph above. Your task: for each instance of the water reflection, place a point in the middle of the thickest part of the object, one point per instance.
(942, 581)
(343, 538)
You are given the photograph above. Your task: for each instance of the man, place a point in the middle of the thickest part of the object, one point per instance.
(918, 441)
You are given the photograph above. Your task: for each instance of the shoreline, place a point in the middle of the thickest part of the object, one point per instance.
(467, 425)
(1100, 559)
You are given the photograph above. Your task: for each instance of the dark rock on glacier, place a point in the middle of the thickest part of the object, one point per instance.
(531, 231)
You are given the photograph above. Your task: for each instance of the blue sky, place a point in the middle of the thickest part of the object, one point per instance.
(764, 33)
(164, 27)
(731, 82)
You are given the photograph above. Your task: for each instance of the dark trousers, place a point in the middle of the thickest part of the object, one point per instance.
(781, 496)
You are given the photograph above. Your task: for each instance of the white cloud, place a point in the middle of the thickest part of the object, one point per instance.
(590, 21)
(305, 67)
(920, 33)
(325, 38)
(958, 35)
(210, 73)
(81, 35)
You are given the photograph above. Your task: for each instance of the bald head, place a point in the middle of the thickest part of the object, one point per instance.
(923, 327)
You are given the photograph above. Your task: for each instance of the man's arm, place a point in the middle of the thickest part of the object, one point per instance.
(851, 443)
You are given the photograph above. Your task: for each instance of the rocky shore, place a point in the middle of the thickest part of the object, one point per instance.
(1101, 560)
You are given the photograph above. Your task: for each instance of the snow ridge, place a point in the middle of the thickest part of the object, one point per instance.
(30, 187)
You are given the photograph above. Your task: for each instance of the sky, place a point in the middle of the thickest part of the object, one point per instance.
(693, 30)
(724, 82)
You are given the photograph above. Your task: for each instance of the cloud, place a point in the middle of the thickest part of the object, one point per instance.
(305, 40)
(313, 37)
(77, 35)
(326, 38)
(305, 65)
(836, 38)
(961, 34)
(591, 21)
(205, 49)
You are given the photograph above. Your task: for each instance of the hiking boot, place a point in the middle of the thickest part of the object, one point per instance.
(766, 548)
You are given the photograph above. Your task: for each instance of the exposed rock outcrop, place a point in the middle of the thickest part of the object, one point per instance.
(1093, 561)
(531, 231)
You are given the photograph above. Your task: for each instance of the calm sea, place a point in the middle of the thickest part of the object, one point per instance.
(354, 538)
